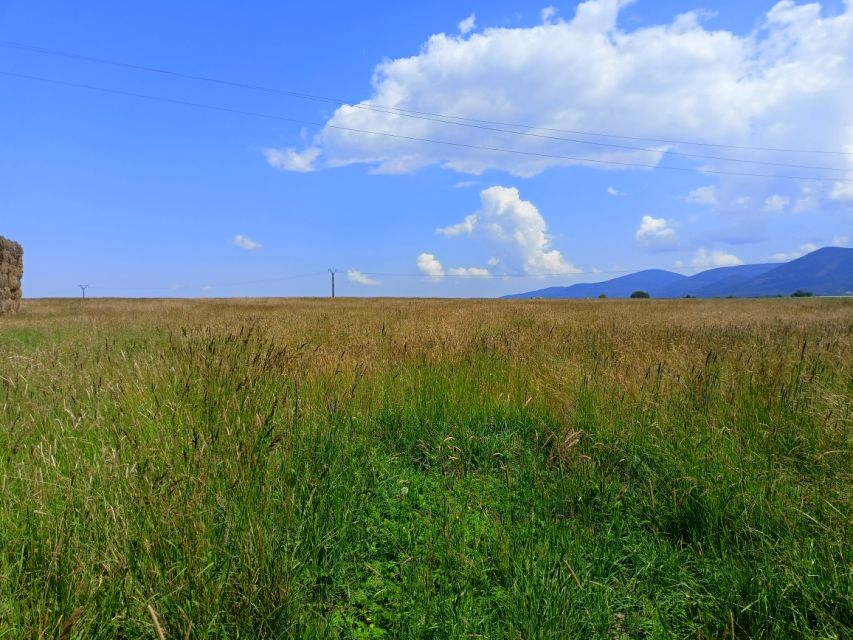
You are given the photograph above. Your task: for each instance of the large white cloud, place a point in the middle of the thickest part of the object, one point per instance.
(788, 83)
(517, 230)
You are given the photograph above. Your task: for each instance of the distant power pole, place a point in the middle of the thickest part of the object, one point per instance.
(333, 272)
(83, 287)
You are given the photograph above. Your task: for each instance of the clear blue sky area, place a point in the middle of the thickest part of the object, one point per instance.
(142, 197)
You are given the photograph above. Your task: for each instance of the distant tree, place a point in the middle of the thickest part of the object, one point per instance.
(799, 293)
(640, 294)
(602, 295)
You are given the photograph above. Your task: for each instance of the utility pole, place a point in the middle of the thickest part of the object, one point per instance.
(333, 272)
(83, 287)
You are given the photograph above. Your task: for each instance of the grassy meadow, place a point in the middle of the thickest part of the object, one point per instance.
(427, 469)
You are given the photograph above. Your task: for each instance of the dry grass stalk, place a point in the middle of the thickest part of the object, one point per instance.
(65, 633)
(565, 447)
(572, 573)
(161, 635)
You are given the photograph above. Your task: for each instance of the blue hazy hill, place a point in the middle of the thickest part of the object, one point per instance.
(622, 287)
(714, 282)
(827, 271)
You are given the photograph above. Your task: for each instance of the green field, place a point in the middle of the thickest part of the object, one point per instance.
(427, 469)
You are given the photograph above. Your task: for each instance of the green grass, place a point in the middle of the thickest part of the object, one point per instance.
(425, 469)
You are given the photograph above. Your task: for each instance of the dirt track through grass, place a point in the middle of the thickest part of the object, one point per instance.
(427, 469)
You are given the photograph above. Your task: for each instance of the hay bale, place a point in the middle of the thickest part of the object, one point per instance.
(11, 272)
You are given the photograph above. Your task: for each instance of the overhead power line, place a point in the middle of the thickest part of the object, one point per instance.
(421, 276)
(536, 154)
(524, 276)
(478, 123)
(214, 285)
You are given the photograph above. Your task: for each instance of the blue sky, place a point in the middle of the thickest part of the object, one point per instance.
(148, 198)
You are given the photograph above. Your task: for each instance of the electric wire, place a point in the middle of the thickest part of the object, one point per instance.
(179, 288)
(439, 117)
(578, 159)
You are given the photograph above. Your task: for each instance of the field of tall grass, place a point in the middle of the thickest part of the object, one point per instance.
(427, 469)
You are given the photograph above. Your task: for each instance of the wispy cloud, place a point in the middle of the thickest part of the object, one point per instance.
(357, 277)
(703, 195)
(245, 242)
(292, 160)
(468, 24)
(714, 258)
(776, 203)
(793, 255)
(469, 272)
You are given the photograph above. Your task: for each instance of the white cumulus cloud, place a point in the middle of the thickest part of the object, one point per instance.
(656, 234)
(657, 229)
(245, 242)
(517, 228)
(676, 80)
(468, 24)
(357, 277)
(430, 266)
(614, 192)
(714, 258)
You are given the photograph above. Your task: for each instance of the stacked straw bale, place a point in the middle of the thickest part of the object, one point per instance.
(11, 272)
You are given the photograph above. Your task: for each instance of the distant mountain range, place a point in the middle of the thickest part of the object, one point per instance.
(827, 271)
